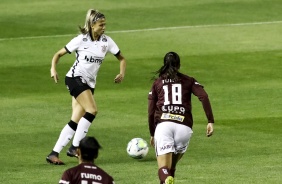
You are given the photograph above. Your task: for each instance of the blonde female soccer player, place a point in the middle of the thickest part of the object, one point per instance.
(90, 48)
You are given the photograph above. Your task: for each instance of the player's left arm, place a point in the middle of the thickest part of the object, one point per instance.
(209, 129)
(198, 90)
(122, 67)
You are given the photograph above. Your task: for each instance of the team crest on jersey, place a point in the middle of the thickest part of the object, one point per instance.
(104, 47)
(84, 39)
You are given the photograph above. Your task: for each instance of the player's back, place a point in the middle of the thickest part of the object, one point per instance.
(86, 173)
(174, 99)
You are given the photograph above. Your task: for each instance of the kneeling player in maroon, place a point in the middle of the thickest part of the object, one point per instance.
(86, 172)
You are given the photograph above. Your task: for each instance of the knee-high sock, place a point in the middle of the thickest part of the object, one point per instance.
(163, 173)
(65, 136)
(172, 172)
(82, 128)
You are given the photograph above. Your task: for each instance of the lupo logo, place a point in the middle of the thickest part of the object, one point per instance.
(93, 60)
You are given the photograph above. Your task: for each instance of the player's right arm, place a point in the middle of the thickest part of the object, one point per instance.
(152, 100)
(55, 61)
(151, 118)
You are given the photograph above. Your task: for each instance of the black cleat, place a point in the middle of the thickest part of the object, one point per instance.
(72, 152)
(52, 159)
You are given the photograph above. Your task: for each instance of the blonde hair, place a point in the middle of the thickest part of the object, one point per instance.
(92, 17)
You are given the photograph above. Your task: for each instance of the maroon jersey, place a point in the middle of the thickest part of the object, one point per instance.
(86, 173)
(170, 100)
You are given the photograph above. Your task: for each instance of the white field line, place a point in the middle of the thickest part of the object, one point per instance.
(150, 29)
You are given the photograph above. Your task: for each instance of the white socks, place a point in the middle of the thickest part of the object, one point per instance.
(81, 131)
(64, 138)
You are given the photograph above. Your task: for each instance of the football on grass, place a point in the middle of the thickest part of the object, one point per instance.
(137, 148)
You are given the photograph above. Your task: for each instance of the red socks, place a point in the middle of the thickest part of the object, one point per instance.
(172, 172)
(163, 173)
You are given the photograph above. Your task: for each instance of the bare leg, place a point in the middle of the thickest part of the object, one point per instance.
(164, 164)
(87, 102)
(77, 111)
(165, 160)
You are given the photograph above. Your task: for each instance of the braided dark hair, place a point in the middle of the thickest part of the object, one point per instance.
(171, 66)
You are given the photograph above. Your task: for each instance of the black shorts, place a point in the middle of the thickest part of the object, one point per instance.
(77, 85)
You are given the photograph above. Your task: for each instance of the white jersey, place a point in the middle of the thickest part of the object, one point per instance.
(89, 56)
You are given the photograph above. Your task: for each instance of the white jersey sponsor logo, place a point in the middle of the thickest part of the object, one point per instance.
(91, 176)
(169, 116)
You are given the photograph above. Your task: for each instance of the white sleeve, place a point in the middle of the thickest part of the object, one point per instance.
(74, 44)
(113, 48)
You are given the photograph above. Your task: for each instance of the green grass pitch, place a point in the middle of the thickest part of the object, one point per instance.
(233, 48)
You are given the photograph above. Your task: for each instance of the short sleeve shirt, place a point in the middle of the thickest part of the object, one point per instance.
(89, 56)
(86, 173)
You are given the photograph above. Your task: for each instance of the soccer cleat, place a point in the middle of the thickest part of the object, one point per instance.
(169, 180)
(72, 152)
(52, 159)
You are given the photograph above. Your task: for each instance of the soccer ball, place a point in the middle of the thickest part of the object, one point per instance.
(137, 148)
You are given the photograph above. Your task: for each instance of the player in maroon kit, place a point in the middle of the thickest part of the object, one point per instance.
(86, 172)
(169, 115)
